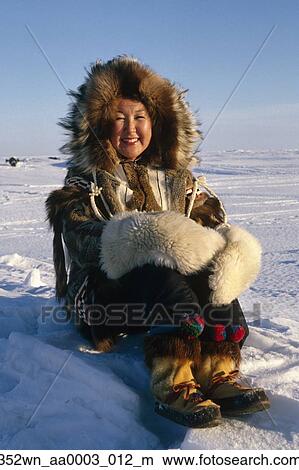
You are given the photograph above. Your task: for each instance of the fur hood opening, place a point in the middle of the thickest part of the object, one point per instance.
(175, 130)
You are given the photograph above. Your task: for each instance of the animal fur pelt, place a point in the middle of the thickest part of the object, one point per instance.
(171, 345)
(162, 238)
(172, 240)
(236, 267)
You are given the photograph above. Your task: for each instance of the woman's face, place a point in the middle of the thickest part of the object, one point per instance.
(132, 129)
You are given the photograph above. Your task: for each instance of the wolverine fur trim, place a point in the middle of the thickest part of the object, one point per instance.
(222, 349)
(89, 122)
(175, 345)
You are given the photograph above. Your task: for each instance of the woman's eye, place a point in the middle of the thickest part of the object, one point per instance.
(120, 118)
(140, 117)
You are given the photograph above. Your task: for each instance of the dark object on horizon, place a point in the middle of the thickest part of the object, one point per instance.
(12, 161)
(54, 158)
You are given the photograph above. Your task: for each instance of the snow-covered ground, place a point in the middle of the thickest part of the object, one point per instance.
(55, 395)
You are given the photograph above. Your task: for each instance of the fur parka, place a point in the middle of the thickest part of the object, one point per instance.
(112, 223)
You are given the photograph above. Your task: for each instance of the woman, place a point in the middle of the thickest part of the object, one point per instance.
(149, 246)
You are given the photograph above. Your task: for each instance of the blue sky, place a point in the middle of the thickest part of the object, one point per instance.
(203, 45)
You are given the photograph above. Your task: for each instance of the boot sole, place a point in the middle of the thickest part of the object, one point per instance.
(206, 418)
(248, 403)
(263, 406)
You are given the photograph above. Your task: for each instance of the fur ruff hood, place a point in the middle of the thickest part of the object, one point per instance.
(89, 121)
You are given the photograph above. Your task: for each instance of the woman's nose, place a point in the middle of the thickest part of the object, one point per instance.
(130, 126)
